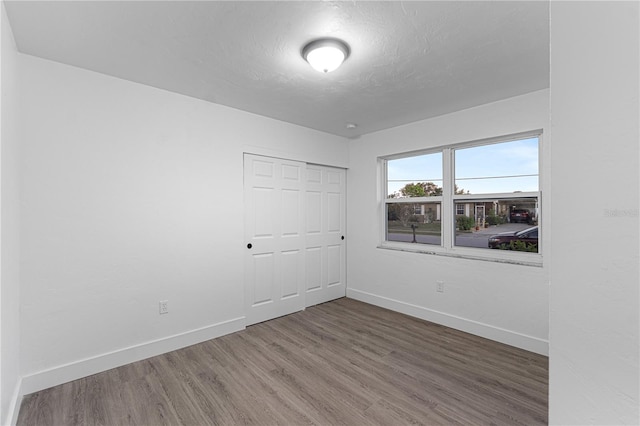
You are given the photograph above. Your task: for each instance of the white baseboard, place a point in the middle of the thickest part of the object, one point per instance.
(511, 338)
(86, 367)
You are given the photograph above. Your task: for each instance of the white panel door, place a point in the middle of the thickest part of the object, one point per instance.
(325, 253)
(274, 234)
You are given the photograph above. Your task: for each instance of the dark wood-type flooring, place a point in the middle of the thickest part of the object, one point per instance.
(342, 362)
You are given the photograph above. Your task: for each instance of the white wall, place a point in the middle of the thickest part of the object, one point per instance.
(505, 302)
(594, 300)
(132, 195)
(9, 225)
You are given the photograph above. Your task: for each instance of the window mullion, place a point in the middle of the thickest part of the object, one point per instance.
(383, 194)
(447, 198)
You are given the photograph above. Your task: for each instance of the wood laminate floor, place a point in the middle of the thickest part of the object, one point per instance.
(342, 362)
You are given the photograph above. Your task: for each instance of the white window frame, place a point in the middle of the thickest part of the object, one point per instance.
(448, 200)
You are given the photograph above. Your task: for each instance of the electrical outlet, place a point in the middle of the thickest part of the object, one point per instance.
(164, 307)
(440, 286)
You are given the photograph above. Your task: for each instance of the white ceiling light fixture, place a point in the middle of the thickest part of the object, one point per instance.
(326, 54)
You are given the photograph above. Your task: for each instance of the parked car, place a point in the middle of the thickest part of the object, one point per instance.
(528, 236)
(520, 216)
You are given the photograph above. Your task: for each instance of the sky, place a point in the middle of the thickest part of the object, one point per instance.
(495, 168)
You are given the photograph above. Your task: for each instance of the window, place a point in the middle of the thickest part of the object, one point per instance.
(414, 198)
(479, 198)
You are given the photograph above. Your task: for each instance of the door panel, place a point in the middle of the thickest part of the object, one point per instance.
(335, 221)
(291, 261)
(314, 212)
(314, 268)
(325, 219)
(263, 278)
(290, 213)
(274, 234)
(264, 202)
(334, 265)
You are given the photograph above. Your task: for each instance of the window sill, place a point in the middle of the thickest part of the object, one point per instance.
(514, 258)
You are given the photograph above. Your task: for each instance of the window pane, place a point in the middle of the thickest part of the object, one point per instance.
(498, 224)
(497, 168)
(414, 223)
(419, 176)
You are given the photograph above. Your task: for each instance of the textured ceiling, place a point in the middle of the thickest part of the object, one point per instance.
(409, 60)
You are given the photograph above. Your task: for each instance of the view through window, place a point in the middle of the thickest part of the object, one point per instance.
(414, 199)
(490, 201)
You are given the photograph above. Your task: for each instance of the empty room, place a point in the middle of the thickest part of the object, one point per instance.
(318, 212)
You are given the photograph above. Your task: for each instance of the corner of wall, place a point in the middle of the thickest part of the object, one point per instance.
(14, 405)
(10, 380)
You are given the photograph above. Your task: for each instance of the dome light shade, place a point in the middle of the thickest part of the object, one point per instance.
(326, 54)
